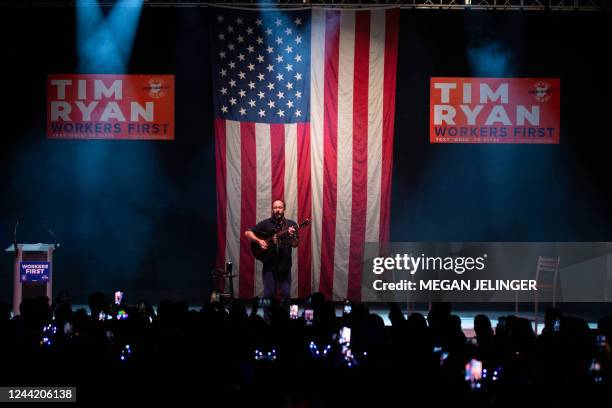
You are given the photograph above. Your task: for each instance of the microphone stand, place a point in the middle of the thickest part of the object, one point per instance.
(15, 240)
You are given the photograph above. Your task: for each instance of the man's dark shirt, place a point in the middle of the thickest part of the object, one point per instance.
(278, 261)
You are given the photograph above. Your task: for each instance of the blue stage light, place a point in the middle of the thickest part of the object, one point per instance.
(104, 44)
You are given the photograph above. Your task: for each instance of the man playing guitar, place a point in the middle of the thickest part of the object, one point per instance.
(277, 264)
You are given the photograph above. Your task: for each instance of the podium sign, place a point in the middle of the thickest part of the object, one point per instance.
(31, 272)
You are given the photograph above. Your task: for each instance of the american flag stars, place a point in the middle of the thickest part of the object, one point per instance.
(261, 59)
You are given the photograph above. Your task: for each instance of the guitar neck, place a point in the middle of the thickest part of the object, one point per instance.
(286, 230)
(281, 233)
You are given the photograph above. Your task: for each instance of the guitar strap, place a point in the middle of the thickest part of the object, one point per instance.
(279, 227)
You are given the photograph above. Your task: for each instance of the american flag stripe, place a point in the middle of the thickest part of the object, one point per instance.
(334, 169)
(360, 152)
(375, 131)
(264, 186)
(248, 177)
(330, 150)
(290, 194)
(233, 167)
(304, 209)
(391, 45)
(221, 185)
(346, 66)
(317, 62)
(277, 150)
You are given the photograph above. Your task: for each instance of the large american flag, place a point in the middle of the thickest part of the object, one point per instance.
(304, 111)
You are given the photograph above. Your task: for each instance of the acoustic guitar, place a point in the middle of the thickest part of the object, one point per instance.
(262, 254)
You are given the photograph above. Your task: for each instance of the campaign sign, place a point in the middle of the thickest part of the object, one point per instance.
(494, 110)
(34, 271)
(133, 107)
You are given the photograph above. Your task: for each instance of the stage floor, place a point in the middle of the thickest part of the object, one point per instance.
(466, 316)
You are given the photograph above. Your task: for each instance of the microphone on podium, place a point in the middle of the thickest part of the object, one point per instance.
(15, 239)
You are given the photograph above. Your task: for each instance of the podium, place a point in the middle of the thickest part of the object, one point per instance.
(32, 272)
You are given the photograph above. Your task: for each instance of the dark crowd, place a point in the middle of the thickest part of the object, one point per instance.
(300, 355)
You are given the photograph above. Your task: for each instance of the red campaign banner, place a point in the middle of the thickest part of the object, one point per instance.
(494, 110)
(91, 106)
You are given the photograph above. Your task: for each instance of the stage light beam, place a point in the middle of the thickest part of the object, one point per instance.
(104, 44)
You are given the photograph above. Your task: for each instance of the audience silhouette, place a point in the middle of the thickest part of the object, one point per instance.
(225, 353)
